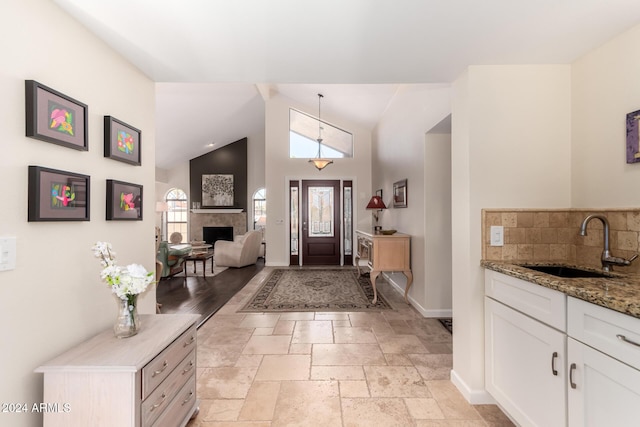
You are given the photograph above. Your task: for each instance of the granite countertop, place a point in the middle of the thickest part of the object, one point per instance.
(619, 292)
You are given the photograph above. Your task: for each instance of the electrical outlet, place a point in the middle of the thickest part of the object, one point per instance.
(7, 253)
(497, 235)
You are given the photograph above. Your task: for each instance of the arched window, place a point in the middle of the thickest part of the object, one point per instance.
(260, 209)
(177, 215)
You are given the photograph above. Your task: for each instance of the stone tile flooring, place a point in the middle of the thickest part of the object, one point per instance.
(386, 368)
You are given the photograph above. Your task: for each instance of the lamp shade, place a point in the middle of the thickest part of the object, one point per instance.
(376, 203)
(162, 207)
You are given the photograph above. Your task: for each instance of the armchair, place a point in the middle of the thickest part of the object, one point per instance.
(243, 251)
(172, 258)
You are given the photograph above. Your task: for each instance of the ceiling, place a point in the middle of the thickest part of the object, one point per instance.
(217, 60)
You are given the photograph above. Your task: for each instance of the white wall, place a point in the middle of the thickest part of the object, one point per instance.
(54, 298)
(437, 223)
(399, 153)
(279, 168)
(604, 89)
(511, 142)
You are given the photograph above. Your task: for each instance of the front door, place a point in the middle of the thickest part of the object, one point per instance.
(320, 222)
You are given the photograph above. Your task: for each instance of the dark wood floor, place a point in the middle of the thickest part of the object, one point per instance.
(203, 295)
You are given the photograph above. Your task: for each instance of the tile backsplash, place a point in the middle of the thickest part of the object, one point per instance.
(539, 235)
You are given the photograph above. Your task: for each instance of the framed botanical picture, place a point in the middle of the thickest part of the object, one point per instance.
(122, 141)
(124, 201)
(400, 194)
(633, 137)
(217, 190)
(55, 195)
(54, 117)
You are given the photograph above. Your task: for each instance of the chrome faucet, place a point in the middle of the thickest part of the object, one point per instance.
(608, 261)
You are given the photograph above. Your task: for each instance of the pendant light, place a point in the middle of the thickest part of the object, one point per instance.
(319, 162)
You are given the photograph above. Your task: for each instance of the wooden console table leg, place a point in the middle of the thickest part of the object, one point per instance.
(374, 275)
(358, 264)
(409, 275)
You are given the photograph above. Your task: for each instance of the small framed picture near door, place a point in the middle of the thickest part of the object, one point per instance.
(56, 195)
(400, 194)
(122, 141)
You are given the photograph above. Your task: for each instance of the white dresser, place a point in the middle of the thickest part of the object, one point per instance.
(145, 380)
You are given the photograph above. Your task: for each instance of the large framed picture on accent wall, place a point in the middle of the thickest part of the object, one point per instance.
(54, 117)
(55, 195)
(217, 190)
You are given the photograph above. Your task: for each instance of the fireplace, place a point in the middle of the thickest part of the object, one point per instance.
(212, 234)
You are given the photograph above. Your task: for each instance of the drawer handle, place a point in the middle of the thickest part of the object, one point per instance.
(571, 369)
(625, 339)
(184, 371)
(554, 371)
(191, 341)
(161, 370)
(184, 402)
(164, 396)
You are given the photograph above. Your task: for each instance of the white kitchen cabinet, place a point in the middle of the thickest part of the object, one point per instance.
(604, 382)
(606, 393)
(525, 366)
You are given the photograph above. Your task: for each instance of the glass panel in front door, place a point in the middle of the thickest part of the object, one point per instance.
(321, 208)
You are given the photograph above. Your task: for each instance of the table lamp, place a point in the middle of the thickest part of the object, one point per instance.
(376, 205)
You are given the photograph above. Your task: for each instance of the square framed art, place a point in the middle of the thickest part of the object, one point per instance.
(54, 117)
(124, 201)
(55, 195)
(122, 142)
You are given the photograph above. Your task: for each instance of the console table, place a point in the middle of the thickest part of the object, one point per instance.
(385, 253)
(145, 380)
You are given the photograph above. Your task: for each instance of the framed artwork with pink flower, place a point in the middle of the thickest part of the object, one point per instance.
(56, 195)
(122, 141)
(54, 117)
(124, 201)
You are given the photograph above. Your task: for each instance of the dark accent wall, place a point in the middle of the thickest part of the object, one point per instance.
(230, 159)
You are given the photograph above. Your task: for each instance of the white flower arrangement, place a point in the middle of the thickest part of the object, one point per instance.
(124, 282)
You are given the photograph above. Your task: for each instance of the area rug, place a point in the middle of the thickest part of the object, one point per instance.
(315, 290)
(447, 323)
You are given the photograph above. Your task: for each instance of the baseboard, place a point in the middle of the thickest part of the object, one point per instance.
(424, 311)
(474, 397)
(275, 264)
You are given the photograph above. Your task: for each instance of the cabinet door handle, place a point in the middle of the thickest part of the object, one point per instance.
(625, 339)
(188, 343)
(571, 369)
(184, 371)
(161, 370)
(554, 371)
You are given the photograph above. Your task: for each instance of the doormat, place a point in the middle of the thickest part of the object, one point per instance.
(447, 323)
(315, 290)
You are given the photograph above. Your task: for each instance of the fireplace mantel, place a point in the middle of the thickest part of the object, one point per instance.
(222, 211)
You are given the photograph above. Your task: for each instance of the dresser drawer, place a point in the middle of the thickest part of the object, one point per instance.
(163, 395)
(162, 365)
(544, 304)
(609, 331)
(181, 407)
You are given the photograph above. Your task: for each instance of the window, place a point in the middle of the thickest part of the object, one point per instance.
(176, 217)
(260, 210)
(303, 138)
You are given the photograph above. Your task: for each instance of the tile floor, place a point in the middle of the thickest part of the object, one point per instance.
(329, 369)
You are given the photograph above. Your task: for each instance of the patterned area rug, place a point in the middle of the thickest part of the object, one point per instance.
(447, 323)
(315, 290)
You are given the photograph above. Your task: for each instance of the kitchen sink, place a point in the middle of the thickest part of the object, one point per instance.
(566, 272)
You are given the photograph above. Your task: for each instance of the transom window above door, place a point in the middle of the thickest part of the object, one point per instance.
(303, 138)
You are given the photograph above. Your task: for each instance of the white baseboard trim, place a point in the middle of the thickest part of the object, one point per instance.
(276, 264)
(424, 311)
(474, 397)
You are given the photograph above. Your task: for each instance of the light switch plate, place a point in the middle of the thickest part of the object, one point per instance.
(497, 235)
(7, 253)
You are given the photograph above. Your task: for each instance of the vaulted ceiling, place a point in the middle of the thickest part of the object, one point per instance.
(217, 58)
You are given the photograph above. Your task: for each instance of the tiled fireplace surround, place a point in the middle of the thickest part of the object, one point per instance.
(198, 220)
(553, 236)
